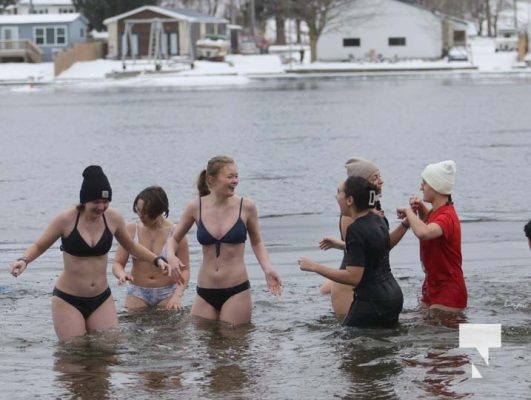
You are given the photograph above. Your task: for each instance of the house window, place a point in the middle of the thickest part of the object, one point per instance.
(81, 32)
(397, 41)
(210, 29)
(39, 36)
(50, 36)
(60, 37)
(352, 42)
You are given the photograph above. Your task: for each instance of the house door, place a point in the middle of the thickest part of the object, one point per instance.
(9, 33)
(174, 44)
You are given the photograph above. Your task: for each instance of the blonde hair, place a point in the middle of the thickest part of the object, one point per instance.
(213, 167)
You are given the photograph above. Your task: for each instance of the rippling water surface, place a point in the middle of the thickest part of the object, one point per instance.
(290, 139)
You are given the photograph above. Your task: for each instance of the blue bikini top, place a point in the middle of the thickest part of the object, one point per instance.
(75, 245)
(236, 234)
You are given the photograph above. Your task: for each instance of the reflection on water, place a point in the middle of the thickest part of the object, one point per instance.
(442, 371)
(83, 367)
(289, 140)
(370, 362)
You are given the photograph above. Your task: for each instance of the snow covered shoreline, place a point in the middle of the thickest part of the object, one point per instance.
(238, 69)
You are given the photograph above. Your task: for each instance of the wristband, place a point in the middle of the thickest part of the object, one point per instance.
(403, 223)
(156, 260)
(25, 259)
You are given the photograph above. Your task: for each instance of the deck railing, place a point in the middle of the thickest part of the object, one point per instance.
(24, 49)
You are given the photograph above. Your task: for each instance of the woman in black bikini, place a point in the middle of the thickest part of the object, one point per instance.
(82, 300)
(223, 222)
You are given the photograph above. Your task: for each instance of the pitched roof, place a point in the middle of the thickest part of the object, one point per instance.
(176, 13)
(40, 18)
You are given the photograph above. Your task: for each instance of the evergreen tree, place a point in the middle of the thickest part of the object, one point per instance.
(96, 11)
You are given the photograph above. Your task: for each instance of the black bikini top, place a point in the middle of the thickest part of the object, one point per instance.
(236, 234)
(75, 245)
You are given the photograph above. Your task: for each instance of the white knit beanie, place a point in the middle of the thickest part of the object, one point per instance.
(440, 176)
(358, 166)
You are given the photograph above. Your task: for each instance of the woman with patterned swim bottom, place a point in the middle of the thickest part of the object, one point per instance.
(223, 222)
(148, 286)
(82, 301)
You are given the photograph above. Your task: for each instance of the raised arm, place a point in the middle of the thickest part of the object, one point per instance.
(422, 230)
(273, 280)
(53, 231)
(398, 233)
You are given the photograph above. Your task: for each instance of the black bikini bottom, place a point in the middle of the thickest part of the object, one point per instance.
(85, 305)
(217, 297)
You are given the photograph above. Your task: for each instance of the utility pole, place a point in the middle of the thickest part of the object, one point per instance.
(253, 17)
(515, 6)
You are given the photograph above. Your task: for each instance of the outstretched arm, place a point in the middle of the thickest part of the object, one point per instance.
(351, 275)
(120, 259)
(52, 232)
(183, 254)
(140, 251)
(179, 235)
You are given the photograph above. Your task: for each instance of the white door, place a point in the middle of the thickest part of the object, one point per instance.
(9, 33)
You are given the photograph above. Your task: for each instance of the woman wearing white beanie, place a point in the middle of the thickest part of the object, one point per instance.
(439, 233)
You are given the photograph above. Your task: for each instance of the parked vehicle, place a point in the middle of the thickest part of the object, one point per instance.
(254, 45)
(248, 47)
(212, 47)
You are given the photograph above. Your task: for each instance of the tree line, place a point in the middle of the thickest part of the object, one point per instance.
(315, 14)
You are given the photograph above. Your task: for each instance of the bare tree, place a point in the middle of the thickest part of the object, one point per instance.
(210, 7)
(481, 12)
(317, 14)
(5, 3)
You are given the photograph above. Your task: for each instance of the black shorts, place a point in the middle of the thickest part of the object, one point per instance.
(374, 314)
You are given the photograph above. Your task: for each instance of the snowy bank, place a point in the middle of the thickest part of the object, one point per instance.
(240, 69)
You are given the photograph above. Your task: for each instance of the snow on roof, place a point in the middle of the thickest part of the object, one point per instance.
(38, 18)
(182, 14)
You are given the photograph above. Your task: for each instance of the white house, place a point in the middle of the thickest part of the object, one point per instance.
(41, 7)
(388, 29)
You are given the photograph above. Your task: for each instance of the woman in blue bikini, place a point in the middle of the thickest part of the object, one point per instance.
(82, 300)
(223, 222)
(148, 286)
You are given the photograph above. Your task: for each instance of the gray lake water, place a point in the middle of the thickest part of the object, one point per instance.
(290, 139)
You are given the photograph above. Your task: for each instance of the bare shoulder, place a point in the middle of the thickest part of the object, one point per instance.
(192, 207)
(249, 206)
(66, 216)
(113, 216)
(131, 227)
(248, 203)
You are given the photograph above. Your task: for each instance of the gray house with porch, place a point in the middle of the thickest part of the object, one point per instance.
(21, 36)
